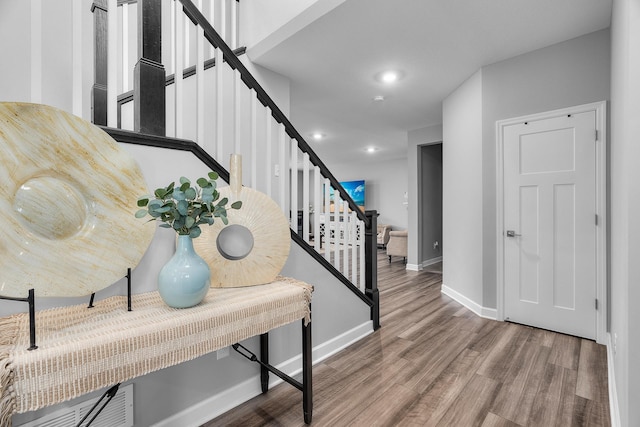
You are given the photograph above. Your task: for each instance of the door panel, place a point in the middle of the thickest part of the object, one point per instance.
(549, 205)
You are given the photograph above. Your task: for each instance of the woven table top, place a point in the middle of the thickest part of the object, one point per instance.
(82, 350)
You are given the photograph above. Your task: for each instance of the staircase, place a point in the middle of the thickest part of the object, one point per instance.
(190, 89)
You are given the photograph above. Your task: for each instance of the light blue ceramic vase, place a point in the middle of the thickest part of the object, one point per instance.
(184, 280)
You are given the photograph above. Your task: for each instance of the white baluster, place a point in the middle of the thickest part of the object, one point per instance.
(125, 47)
(282, 161)
(361, 242)
(327, 218)
(293, 162)
(112, 64)
(337, 238)
(345, 238)
(237, 95)
(76, 77)
(178, 67)
(353, 224)
(317, 210)
(223, 20)
(254, 139)
(305, 196)
(268, 167)
(234, 20)
(219, 102)
(200, 90)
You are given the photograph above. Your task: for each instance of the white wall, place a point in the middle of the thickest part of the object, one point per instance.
(266, 23)
(385, 186)
(416, 139)
(462, 189)
(625, 208)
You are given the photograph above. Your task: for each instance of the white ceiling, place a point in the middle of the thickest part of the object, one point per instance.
(436, 44)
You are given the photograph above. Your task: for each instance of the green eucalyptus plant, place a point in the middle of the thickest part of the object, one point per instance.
(185, 208)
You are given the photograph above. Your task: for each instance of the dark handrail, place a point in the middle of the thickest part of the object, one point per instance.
(214, 38)
(134, 138)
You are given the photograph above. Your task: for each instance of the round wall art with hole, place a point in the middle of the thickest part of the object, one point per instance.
(68, 196)
(253, 248)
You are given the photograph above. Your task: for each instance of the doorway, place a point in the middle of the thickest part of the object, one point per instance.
(551, 220)
(430, 199)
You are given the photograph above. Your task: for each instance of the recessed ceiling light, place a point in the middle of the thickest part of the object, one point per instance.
(378, 98)
(371, 150)
(389, 76)
(317, 136)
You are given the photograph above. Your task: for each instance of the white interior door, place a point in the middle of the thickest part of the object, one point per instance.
(550, 223)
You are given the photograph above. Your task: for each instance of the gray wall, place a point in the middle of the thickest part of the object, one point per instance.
(385, 186)
(570, 73)
(431, 200)
(462, 189)
(562, 75)
(625, 208)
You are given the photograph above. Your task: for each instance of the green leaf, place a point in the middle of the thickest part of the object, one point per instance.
(182, 207)
(202, 182)
(160, 193)
(184, 180)
(184, 186)
(143, 201)
(163, 209)
(224, 220)
(195, 232)
(207, 198)
(169, 188)
(208, 190)
(223, 202)
(213, 175)
(154, 213)
(141, 213)
(190, 193)
(165, 226)
(178, 194)
(236, 205)
(189, 222)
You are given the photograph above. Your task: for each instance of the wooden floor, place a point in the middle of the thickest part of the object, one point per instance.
(435, 363)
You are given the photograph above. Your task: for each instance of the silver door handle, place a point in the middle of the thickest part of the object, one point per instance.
(511, 233)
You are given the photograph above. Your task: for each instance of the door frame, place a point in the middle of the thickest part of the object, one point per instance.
(600, 109)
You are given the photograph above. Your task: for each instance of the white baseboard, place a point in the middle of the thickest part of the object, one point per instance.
(431, 261)
(220, 403)
(423, 264)
(487, 313)
(614, 409)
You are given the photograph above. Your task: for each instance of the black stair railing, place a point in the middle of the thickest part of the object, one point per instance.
(369, 218)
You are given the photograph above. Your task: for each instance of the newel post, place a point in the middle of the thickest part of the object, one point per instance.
(371, 265)
(101, 40)
(149, 74)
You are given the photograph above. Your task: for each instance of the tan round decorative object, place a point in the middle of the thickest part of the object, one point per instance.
(252, 251)
(68, 196)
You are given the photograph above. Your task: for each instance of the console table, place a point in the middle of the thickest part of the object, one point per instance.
(82, 349)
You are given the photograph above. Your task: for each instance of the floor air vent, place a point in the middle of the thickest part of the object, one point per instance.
(118, 413)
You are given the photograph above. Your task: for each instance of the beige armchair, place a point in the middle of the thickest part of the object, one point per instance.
(383, 235)
(397, 245)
